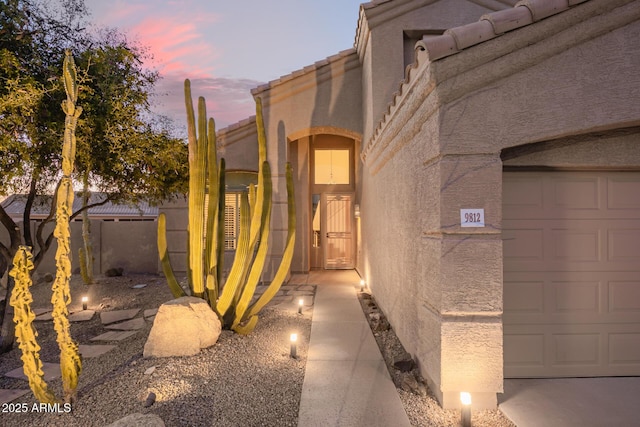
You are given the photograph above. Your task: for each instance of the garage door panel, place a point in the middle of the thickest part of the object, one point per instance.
(553, 245)
(576, 349)
(575, 245)
(580, 192)
(623, 244)
(523, 194)
(571, 350)
(624, 348)
(571, 274)
(577, 297)
(524, 350)
(515, 248)
(624, 297)
(619, 189)
(525, 297)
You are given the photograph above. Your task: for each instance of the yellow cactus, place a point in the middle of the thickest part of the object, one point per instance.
(231, 299)
(26, 334)
(21, 299)
(70, 364)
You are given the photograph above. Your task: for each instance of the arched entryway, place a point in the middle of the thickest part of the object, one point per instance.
(326, 197)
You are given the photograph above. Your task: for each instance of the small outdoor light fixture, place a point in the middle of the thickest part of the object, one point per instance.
(300, 303)
(85, 300)
(362, 283)
(293, 354)
(465, 415)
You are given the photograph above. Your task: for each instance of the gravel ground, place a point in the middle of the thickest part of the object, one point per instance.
(240, 381)
(419, 402)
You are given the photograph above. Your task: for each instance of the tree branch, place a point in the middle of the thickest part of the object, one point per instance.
(26, 215)
(44, 245)
(7, 252)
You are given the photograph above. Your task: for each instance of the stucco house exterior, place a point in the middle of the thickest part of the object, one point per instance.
(478, 163)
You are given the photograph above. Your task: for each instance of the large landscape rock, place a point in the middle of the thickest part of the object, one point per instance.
(182, 327)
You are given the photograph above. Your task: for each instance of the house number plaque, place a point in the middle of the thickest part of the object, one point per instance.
(472, 217)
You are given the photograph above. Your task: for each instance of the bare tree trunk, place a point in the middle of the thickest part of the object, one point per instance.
(86, 259)
(8, 328)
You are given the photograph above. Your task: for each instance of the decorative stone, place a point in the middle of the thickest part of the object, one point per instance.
(81, 316)
(150, 312)
(182, 327)
(51, 372)
(129, 325)
(151, 399)
(114, 336)
(39, 311)
(44, 317)
(409, 383)
(88, 351)
(7, 395)
(139, 420)
(404, 363)
(107, 317)
(114, 272)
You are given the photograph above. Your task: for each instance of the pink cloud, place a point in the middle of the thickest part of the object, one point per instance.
(176, 47)
(175, 37)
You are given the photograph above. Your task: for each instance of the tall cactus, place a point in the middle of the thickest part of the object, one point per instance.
(231, 299)
(70, 364)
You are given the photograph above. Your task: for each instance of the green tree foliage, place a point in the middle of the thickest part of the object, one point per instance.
(124, 149)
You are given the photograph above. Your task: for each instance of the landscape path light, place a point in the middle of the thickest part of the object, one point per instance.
(465, 415)
(300, 303)
(293, 353)
(85, 300)
(362, 283)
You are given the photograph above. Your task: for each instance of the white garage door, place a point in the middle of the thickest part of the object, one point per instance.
(571, 274)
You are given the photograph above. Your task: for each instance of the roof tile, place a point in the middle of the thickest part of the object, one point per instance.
(541, 9)
(472, 34)
(493, 24)
(508, 19)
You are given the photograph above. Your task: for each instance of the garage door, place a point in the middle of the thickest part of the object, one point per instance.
(571, 274)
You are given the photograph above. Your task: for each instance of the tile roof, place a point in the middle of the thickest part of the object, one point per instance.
(251, 120)
(492, 25)
(14, 206)
(454, 40)
(306, 70)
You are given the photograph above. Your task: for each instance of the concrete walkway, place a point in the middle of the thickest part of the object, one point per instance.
(346, 381)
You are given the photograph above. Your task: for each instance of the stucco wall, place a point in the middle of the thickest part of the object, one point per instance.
(238, 145)
(443, 142)
(385, 69)
(131, 245)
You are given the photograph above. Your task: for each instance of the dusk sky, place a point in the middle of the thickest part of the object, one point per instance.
(228, 47)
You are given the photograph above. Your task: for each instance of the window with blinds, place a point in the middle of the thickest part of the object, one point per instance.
(231, 220)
